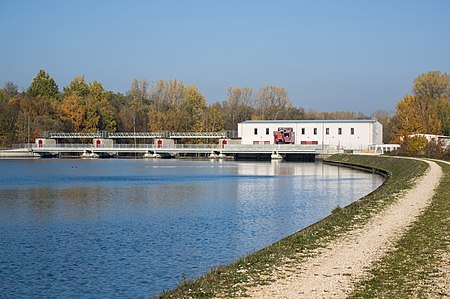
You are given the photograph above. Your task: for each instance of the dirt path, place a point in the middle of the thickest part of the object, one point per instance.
(332, 271)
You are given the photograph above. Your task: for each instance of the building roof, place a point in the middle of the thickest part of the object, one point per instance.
(309, 121)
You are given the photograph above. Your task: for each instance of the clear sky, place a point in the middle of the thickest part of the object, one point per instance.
(330, 55)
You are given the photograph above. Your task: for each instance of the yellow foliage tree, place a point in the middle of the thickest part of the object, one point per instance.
(415, 116)
(415, 146)
(194, 104)
(433, 85)
(73, 111)
(87, 107)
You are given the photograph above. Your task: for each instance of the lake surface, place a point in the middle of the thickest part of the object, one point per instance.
(132, 228)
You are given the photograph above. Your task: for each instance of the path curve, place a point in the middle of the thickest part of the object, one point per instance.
(333, 270)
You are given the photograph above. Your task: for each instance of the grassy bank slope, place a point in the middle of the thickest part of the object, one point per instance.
(232, 280)
(414, 268)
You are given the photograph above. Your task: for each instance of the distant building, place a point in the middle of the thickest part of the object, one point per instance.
(357, 135)
(441, 139)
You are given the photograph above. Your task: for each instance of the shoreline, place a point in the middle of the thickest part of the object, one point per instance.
(333, 270)
(237, 278)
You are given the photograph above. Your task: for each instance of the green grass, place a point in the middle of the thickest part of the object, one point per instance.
(410, 270)
(233, 280)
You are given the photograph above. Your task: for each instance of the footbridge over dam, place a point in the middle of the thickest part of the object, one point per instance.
(166, 145)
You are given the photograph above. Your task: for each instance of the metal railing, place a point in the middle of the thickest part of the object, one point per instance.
(103, 134)
(198, 134)
(137, 135)
(115, 135)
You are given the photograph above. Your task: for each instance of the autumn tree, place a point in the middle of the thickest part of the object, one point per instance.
(427, 111)
(271, 102)
(194, 104)
(9, 113)
(415, 146)
(238, 107)
(166, 106)
(213, 120)
(334, 115)
(39, 106)
(134, 115)
(385, 118)
(87, 107)
(433, 85)
(415, 116)
(443, 111)
(8, 91)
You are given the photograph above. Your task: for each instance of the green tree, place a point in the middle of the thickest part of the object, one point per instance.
(77, 86)
(43, 86)
(443, 110)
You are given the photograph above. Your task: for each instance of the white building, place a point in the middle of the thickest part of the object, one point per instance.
(356, 135)
(442, 139)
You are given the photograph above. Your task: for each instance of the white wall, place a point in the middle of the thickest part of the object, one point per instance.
(365, 132)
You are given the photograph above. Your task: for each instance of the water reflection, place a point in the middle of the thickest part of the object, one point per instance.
(129, 228)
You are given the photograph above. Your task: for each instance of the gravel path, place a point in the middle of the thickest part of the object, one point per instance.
(332, 271)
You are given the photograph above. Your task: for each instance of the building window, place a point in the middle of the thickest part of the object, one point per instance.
(303, 131)
(327, 131)
(255, 131)
(352, 131)
(267, 131)
(315, 131)
(339, 131)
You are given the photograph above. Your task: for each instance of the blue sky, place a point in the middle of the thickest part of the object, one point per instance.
(329, 55)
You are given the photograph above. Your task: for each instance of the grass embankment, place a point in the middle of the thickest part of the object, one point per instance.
(413, 268)
(234, 279)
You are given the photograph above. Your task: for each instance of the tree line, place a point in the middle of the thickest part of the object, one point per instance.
(171, 105)
(163, 105)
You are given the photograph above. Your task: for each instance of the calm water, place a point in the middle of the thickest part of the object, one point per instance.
(130, 228)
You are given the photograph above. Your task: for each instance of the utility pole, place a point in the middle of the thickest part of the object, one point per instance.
(28, 134)
(134, 131)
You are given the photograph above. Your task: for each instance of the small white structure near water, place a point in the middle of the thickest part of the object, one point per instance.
(355, 135)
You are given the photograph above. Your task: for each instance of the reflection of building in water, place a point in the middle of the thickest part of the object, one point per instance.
(286, 197)
(279, 168)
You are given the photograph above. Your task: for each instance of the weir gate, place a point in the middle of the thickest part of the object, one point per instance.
(165, 145)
